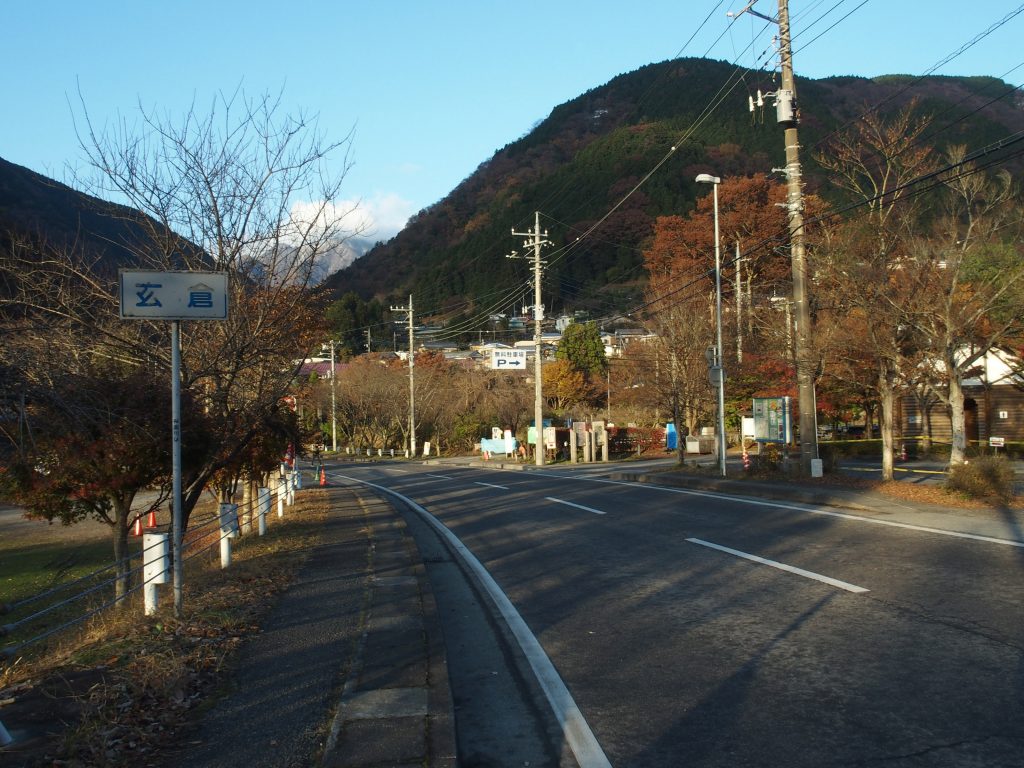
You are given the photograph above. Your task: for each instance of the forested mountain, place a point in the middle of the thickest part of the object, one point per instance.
(51, 215)
(578, 164)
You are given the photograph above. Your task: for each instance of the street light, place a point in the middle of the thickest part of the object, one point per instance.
(717, 370)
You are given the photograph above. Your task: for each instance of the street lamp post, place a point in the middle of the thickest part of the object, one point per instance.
(718, 371)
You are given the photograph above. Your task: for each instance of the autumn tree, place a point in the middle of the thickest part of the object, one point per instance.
(101, 435)
(565, 387)
(875, 161)
(969, 283)
(681, 290)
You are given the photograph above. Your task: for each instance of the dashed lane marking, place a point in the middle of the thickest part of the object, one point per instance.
(571, 504)
(783, 567)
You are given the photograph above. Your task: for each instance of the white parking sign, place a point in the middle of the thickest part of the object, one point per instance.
(508, 359)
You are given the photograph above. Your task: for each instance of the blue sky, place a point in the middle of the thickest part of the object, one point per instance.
(431, 89)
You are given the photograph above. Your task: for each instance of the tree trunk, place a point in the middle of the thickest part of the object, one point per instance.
(122, 565)
(680, 440)
(886, 392)
(957, 426)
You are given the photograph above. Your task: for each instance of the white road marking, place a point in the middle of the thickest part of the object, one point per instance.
(798, 508)
(491, 485)
(783, 567)
(391, 469)
(578, 506)
(440, 477)
(575, 729)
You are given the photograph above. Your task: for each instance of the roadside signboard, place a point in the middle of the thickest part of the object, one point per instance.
(997, 442)
(147, 295)
(174, 296)
(508, 359)
(772, 420)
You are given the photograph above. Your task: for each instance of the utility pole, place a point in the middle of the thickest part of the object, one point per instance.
(716, 355)
(334, 411)
(412, 380)
(739, 306)
(538, 315)
(787, 115)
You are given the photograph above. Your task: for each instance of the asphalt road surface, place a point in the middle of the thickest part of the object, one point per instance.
(694, 629)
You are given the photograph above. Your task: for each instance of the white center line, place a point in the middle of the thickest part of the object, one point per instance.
(578, 506)
(491, 485)
(782, 566)
(800, 508)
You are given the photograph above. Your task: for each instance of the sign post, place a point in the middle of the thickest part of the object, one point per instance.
(174, 296)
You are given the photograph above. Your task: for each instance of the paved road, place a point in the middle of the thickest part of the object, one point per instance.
(697, 629)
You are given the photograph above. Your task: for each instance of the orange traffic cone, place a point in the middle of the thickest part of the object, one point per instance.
(151, 522)
(137, 528)
(323, 477)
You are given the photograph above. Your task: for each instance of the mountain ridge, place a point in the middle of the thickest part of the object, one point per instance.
(578, 163)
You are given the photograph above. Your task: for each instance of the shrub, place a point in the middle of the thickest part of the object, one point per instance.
(770, 461)
(986, 477)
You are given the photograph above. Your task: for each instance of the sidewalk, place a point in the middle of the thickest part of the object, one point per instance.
(356, 635)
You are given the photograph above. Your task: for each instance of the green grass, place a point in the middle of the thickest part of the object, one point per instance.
(26, 570)
(36, 559)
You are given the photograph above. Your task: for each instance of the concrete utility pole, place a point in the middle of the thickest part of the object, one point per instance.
(334, 410)
(787, 114)
(739, 306)
(538, 315)
(412, 380)
(717, 359)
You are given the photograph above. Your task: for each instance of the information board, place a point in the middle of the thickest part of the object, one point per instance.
(772, 420)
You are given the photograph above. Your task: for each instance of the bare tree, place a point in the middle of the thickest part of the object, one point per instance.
(969, 283)
(875, 160)
(240, 188)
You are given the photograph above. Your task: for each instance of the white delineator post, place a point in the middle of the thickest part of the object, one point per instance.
(228, 530)
(262, 508)
(155, 567)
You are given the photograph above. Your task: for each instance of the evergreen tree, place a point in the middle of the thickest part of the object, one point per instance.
(582, 347)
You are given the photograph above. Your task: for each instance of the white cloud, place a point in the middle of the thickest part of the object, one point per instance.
(387, 214)
(379, 217)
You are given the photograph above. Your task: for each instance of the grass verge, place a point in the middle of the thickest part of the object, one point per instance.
(112, 693)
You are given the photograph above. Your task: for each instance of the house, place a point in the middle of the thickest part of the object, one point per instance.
(993, 404)
(615, 342)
